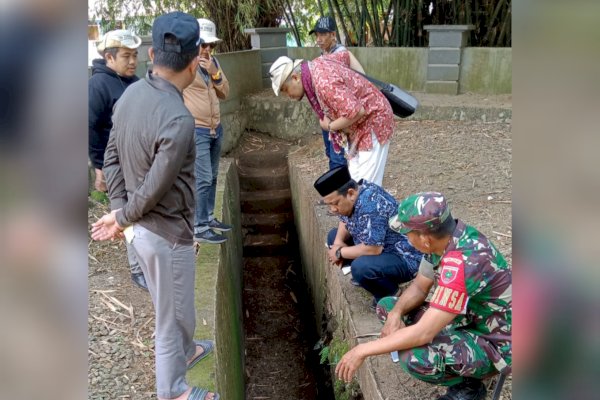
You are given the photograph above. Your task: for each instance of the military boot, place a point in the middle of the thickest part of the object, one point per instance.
(468, 389)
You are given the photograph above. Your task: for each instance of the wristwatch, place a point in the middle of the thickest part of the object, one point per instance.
(216, 76)
(338, 253)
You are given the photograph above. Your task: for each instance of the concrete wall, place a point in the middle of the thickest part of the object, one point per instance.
(402, 66)
(483, 70)
(218, 296)
(486, 70)
(243, 70)
(279, 116)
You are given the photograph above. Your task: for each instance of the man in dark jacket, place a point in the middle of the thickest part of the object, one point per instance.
(111, 75)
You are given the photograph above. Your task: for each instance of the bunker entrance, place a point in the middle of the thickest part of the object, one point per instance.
(279, 323)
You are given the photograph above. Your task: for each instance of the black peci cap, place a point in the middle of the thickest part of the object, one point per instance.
(332, 180)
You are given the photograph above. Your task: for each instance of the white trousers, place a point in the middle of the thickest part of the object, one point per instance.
(369, 165)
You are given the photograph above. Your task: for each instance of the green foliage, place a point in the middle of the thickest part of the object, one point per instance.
(346, 391)
(333, 352)
(99, 197)
(324, 353)
(396, 23)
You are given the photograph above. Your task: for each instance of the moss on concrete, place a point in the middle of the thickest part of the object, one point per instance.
(486, 70)
(218, 298)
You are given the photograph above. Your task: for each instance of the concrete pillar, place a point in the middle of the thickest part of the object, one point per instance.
(272, 44)
(446, 43)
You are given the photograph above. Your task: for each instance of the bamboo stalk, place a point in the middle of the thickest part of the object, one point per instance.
(344, 29)
(352, 22)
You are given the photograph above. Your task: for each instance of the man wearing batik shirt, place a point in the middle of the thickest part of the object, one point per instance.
(380, 258)
(355, 113)
(463, 334)
(325, 32)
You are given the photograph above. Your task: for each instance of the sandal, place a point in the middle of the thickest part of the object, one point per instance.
(200, 394)
(207, 345)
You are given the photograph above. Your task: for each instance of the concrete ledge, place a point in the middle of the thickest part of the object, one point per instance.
(292, 120)
(218, 298)
(279, 116)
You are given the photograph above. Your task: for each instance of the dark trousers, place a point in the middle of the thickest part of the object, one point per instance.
(380, 275)
(335, 159)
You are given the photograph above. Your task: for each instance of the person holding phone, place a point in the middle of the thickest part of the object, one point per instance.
(202, 99)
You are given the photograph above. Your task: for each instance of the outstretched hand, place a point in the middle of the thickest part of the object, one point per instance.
(349, 363)
(107, 227)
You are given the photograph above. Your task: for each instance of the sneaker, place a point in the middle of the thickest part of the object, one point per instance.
(139, 280)
(468, 389)
(209, 237)
(218, 226)
(352, 281)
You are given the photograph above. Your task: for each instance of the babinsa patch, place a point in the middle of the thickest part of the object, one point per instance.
(451, 293)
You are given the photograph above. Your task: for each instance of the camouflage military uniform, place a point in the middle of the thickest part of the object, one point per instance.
(473, 281)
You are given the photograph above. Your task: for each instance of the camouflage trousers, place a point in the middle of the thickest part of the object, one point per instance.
(452, 355)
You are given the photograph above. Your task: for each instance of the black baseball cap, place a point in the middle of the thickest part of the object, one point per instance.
(324, 24)
(181, 25)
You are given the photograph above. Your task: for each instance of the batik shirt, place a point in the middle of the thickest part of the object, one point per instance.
(342, 92)
(368, 224)
(474, 281)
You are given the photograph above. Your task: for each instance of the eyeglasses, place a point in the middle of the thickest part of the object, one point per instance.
(211, 45)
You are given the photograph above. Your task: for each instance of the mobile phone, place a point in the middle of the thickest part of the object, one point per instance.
(395, 357)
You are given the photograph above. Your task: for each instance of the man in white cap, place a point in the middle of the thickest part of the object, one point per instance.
(325, 31)
(202, 99)
(355, 113)
(111, 75)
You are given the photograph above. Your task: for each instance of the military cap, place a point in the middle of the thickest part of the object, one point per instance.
(422, 211)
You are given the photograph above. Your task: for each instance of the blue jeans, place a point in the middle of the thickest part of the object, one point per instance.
(208, 151)
(335, 159)
(380, 275)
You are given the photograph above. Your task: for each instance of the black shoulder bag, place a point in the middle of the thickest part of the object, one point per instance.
(403, 104)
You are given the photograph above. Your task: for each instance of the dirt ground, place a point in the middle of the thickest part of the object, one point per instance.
(469, 162)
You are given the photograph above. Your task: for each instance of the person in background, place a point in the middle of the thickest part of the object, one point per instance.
(111, 75)
(202, 99)
(325, 31)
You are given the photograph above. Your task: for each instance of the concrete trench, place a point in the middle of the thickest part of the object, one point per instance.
(278, 314)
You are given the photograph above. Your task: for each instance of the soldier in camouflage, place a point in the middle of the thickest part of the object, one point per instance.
(463, 333)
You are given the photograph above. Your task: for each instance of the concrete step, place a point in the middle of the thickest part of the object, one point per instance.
(265, 245)
(268, 223)
(267, 158)
(264, 180)
(266, 201)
